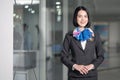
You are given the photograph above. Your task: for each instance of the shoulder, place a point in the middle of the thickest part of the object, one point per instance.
(70, 33)
(96, 33)
(97, 36)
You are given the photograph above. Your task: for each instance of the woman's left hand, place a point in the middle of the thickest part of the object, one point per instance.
(90, 67)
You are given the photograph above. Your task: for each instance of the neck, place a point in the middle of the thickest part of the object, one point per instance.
(81, 28)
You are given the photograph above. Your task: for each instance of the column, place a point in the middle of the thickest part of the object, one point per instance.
(65, 29)
(42, 27)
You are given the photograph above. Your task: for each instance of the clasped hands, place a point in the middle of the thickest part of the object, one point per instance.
(83, 69)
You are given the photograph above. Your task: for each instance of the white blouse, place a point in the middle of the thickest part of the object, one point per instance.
(83, 43)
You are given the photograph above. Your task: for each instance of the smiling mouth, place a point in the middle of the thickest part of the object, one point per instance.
(83, 23)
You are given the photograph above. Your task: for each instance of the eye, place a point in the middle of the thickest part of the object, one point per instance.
(79, 16)
(86, 16)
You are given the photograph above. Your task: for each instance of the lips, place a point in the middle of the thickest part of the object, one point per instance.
(83, 22)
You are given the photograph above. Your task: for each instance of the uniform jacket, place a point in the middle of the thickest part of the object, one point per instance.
(72, 53)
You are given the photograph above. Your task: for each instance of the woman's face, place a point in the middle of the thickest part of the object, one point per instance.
(82, 18)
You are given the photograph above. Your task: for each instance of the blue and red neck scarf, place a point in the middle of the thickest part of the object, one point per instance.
(83, 35)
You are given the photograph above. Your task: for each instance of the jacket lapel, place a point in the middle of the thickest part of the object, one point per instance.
(88, 43)
(78, 43)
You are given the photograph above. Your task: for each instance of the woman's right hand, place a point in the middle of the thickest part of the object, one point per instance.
(81, 68)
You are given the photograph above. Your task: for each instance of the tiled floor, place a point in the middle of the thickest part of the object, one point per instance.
(109, 69)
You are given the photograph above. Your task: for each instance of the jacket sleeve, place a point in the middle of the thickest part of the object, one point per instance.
(65, 53)
(99, 51)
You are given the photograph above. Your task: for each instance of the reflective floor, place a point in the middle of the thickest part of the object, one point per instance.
(108, 70)
(111, 74)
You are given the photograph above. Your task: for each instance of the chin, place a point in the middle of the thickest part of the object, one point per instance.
(82, 26)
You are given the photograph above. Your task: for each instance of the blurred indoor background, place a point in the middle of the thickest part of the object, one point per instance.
(39, 29)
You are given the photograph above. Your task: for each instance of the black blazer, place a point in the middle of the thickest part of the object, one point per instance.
(92, 54)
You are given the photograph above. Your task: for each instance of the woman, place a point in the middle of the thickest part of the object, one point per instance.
(84, 46)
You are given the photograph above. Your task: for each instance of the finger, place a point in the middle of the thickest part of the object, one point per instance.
(87, 67)
(81, 71)
(84, 70)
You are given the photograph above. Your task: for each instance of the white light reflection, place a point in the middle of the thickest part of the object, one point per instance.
(57, 3)
(32, 11)
(23, 2)
(26, 6)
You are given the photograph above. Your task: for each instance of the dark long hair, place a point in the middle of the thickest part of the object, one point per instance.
(75, 16)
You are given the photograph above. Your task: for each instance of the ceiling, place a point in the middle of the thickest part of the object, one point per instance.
(102, 9)
(107, 7)
(105, 10)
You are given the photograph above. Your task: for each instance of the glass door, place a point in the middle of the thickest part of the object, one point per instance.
(26, 40)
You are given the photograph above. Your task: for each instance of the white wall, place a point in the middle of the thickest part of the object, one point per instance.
(6, 40)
